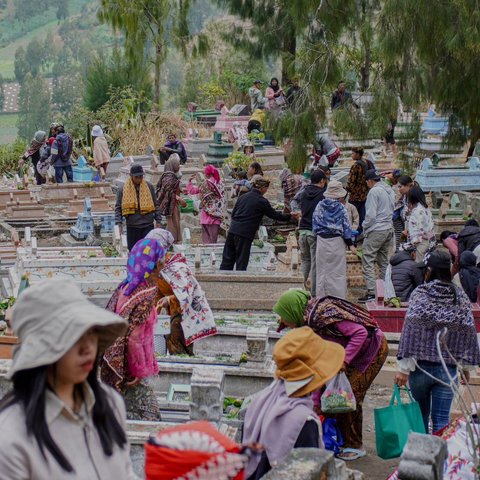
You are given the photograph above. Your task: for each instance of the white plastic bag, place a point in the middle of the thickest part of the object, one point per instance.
(338, 396)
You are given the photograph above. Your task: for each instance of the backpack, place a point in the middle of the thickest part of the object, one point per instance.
(366, 165)
(64, 143)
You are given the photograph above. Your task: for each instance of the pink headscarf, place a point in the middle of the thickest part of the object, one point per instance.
(210, 170)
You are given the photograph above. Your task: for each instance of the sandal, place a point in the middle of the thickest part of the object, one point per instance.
(349, 454)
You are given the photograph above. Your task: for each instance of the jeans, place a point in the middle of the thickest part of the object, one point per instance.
(360, 206)
(59, 173)
(376, 248)
(308, 252)
(434, 398)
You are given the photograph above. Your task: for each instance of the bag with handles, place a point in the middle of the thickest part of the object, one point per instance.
(395, 422)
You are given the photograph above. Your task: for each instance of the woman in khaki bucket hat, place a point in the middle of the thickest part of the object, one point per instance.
(59, 421)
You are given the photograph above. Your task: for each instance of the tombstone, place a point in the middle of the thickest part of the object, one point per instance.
(239, 110)
(187, 236)
(84, 224)
(207, 394)
(262, 233)
(257, 342)
(82, 172)
(150, 150)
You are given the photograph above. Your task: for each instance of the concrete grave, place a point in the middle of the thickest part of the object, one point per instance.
(64, 192)
(207, 394)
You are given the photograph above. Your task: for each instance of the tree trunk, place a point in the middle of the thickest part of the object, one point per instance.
(474, 138)
(365, 71)
(288, 57)
(157, 83)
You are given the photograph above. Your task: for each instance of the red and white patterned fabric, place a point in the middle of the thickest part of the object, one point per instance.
(195, 451)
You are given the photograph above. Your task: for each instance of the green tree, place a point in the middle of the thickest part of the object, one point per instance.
(148, 23)
(2, 93)
(104, 74)
(67, 92)
(34, 56)
(34, 106)
(439, 50)
(21, 66)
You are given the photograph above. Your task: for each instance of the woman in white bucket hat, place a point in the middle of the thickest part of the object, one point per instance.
(59, 421)
(101, 151)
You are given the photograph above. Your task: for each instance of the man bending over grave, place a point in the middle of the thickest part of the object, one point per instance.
(137, 202)
(246, 219)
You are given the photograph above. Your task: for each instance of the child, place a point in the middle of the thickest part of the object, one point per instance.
(353, 218)
(241, 184)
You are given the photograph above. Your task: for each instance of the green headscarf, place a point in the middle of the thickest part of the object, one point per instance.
(291, 306)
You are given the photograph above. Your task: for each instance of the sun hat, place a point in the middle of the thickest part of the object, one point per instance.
(97, 131)
(335, 190)
(301, 354)
(372, 175)
(136, 170)
(49, 317)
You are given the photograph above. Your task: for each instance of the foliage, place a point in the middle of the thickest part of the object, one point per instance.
(239, 161)
(21, 65)
(67, 91)
(210, 92)
(2, 93)
(10, 154)
(105, 74)
(34, 106)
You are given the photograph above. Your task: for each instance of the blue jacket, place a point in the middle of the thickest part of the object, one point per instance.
(330, 219)
(62, 150)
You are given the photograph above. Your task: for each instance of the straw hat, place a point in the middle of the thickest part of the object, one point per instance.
(51, 316)
(335, 190)
(306, 360)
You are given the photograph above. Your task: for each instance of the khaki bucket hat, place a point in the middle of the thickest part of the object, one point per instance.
(50, 316)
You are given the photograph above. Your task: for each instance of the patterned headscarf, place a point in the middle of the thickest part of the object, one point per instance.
(210, 170)
(142, 261)
(163, 237)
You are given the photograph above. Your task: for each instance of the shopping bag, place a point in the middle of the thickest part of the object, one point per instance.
(332, 437)
(338, 396)
(393, 424)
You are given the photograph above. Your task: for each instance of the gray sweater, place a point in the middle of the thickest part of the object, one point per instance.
(379, 208)
(138, 220)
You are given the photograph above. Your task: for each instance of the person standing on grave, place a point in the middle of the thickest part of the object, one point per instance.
(137, 203)
(35, 152)
(59, 421)
(257, 100)
(281, 417)
(405, 183)
(342, 97)
(101, 151)
(357, 184)
(334, 235)
(131, 359)
(212, 203)
(377, 230)
(61, 155)
(171, 147)
(435, 308)
(168, 196)
(179, 292)
(246, 219)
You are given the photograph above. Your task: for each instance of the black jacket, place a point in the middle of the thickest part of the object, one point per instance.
(406, 275)
(248, 213)
(307, 199)
(468, 239)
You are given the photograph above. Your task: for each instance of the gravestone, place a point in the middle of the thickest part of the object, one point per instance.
(257, 342)
(82, 172)
(238, 110)
(84, 225)
(207, 394)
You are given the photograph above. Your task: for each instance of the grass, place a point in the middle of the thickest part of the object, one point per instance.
(8, 127)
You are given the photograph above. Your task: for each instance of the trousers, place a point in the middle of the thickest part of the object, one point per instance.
(236, 252)
(308, 252)
(59, 173)
(375, 248)
(135, 234)
(360, 206)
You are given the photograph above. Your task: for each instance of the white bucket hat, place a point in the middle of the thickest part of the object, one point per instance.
(97, 131)
(335, 190)
(50, 317)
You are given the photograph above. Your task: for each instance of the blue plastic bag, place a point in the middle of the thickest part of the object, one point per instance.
(332, 437)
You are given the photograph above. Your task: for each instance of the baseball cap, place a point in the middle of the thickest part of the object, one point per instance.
(136, 170)
(372, 175)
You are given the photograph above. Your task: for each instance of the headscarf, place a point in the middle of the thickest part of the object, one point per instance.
(210, 170)
(469, 274)
(291, 306)
(36, 144)
(162, 236)
(169, 185)
(130, 199)
(142, 261)
(259, 182)
(276, 87)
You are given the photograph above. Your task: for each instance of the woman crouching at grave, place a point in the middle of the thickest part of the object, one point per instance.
(131, 359)
(281, 417)
(59, 421)
(182, 297)
(168, 195)
(435, 307)
(212, 203)
(366, 350)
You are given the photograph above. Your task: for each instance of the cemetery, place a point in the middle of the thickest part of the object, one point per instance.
(239, 240)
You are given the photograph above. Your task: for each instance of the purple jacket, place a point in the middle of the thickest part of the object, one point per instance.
(360, 349)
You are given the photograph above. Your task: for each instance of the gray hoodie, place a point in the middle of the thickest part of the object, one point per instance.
(379, 208)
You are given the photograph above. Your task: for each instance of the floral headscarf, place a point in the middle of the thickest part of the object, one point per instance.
(141, 263)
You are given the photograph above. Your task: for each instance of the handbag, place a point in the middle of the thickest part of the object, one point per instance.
(280, 101)
(394, 422)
